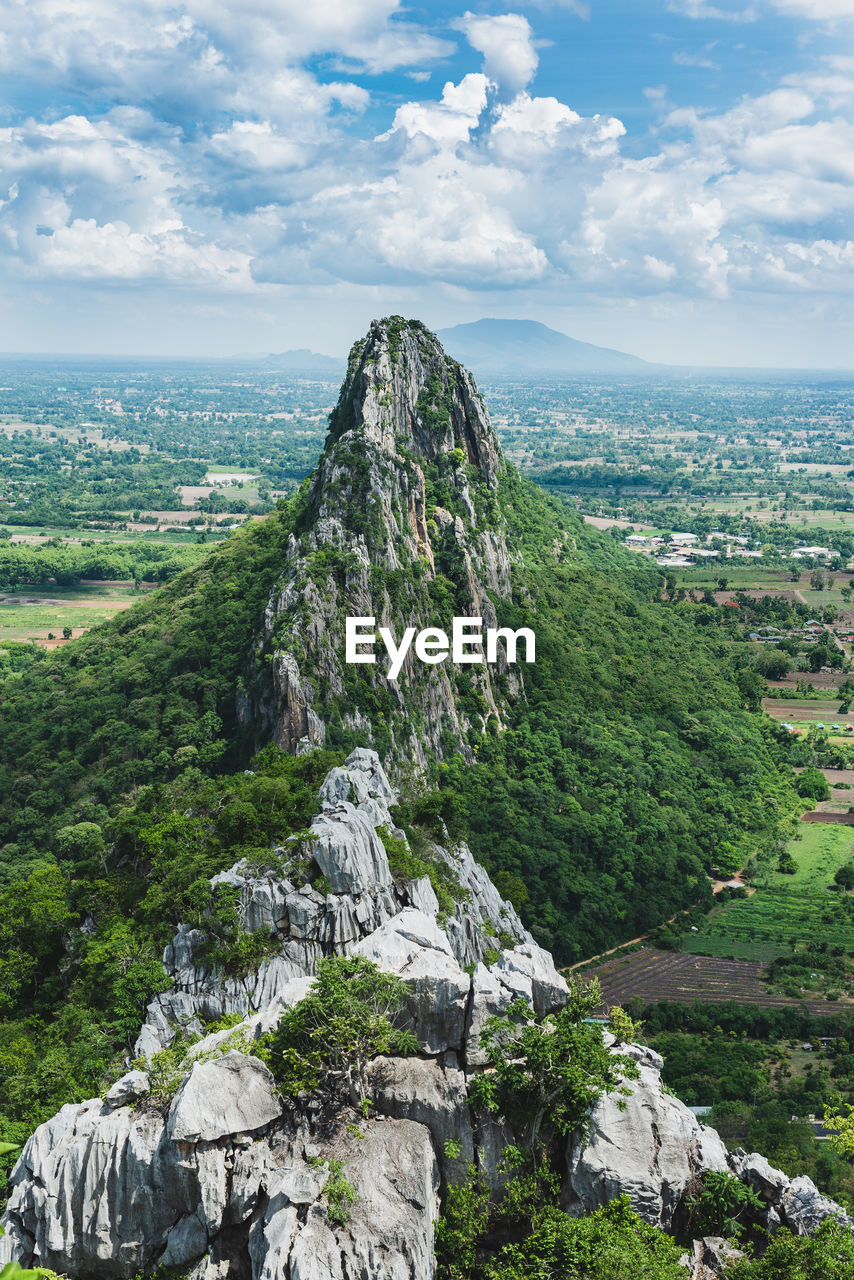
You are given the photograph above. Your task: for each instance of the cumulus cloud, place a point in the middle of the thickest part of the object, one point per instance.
(285, 178)
(85, 201)
(509, 57)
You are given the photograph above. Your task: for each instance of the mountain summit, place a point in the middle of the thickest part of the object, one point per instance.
(523, 348)
(402, 523)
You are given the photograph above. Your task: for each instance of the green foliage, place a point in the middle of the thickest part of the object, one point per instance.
(813, 785)
(14, 1271)
(340, 1194)
(844, 877)
(828, 1254)
(74, 999)
(723, 1206)
(108, 713)
(548, 1073)
(612, 1243)
(406, 865)
(631, 752)
(351, 1015)
(625, 1029)
(708, 1068)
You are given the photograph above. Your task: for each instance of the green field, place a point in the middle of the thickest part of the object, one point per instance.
(786, 910)
(725, 945)
(57, 607)
(747, 577)
(819, 852)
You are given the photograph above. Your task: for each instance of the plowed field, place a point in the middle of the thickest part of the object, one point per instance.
(681, 978)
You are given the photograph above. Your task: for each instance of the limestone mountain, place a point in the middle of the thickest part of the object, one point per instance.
(623, 756)
(403, 522)
(212, 1158)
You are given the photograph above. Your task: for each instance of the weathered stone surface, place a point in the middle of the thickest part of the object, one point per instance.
(348, 850)
(98, 1191)
(131, 1086)
(525, 973)
(802, 1207)
(413, 946)
(108, 1193)
(433, 1093)
(650, 1151)
(766, 1181)
(232, 1094)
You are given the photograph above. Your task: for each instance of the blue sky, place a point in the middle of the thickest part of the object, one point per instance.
(673, 177)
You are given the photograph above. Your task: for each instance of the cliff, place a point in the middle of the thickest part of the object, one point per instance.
(217, 1175)
(402, 522)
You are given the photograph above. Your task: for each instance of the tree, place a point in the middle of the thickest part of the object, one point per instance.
(722, 1204)
(813, 785)
(826, 1255)
(549, 1071)
(845, 876)
(350, 1016)
(612, 1243)
(817, 580)
(773, 664)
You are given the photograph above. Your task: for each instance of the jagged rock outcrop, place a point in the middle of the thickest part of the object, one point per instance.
(363, 896)
(402, 523)
(652, 1150)
(223, 1179)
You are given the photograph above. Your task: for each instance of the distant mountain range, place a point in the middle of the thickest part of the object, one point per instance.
(508, 348)
(493, 348)
(305, 361)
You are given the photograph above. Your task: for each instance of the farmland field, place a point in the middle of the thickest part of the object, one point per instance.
(678, 977)
(32, 616)
(787, 909)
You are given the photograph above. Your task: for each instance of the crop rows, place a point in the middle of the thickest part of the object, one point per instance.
(784, 917)
(678, 977)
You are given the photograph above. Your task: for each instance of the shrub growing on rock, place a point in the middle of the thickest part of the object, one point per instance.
(351, 1015)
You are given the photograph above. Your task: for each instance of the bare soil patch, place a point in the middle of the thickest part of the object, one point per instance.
(682, 978)
(792, 710)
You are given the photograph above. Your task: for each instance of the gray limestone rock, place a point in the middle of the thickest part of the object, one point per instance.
(433, 1093)
(232, 1094)
(413, 946)
(129, 1088)
(348, 850)
(650, 1151)
(802, 1207)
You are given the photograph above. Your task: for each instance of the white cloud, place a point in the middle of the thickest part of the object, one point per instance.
(818, 10)
(449, 121)
(505, 40)
(701, 9)
(482, 186)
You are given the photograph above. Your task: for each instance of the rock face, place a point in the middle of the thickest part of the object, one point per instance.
(223, 1180)
(402, 515)
(653, 1150)
(364, 897)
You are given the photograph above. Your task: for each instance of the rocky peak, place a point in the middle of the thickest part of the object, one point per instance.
(219, 1179)
(403, 393)
(402, 522)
